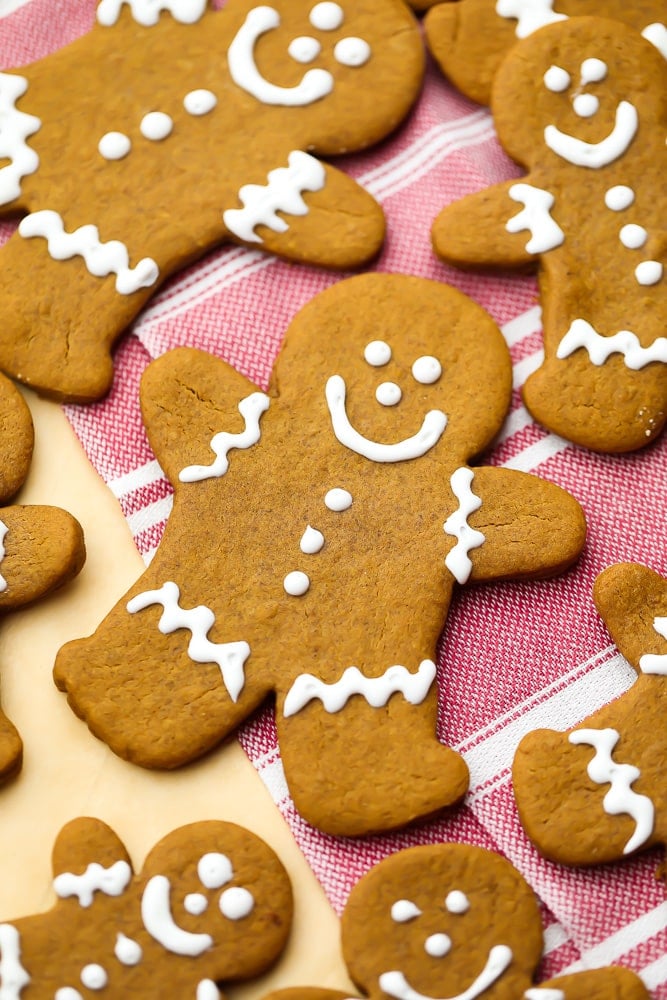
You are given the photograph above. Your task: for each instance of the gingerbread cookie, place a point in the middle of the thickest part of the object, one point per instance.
(317, 533)
(206, 130)
(212, 903)
(598, 792)
(469, 38)
(453, 920)
(18, 438)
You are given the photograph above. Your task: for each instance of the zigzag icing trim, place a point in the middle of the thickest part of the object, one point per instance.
(15, 127)
(251, 408)
(375, 690)
(458, 561)
(147, 12)
(582, 334)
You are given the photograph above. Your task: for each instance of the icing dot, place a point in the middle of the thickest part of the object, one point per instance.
(214, 870)
(585, 105)
(619, 197)
(114, 145)
(156, 125)
(199, 102)
(338, 499)
(195, 903)
(304, 49)
(377, 353)
(426, 370)
(127, 951)
(633, 237)
(296, 583)
(403, 910)
(312, 541)
(388, 394)
(236, 903)
(593, 70)
(437, 945)
(649, 272)
(67, 993)
(557, 79)
(94, 977)
(326, 16)
(457, 901)
(207, 990)
(352, 51)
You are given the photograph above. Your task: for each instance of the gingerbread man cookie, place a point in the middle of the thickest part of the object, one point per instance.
(171, 128)
(457, 921)
(212, 903)
(469, 38)
(317, 533)
(581, 104)
(598, 792)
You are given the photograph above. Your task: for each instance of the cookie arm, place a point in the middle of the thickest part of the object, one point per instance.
(84, 841)
(43, 549)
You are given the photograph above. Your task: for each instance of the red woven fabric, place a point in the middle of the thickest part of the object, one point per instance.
(512, 657)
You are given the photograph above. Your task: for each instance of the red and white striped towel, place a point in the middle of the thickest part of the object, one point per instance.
(513, 657)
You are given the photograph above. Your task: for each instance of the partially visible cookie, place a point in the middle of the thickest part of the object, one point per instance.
(17, 437)
(598, 792)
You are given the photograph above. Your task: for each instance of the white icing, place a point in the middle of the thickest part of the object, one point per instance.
(214, 870)
(352, 52)
(127, 951)
(500, 956)
(596, 154)
(403, 910)
(195, 903)
(556, 79)
(388, 394)
(377, 353)
(593, 70)
(619, 197)
(530, 14)
(416, 446)
(585, 105)
(458, 561)
(236, 903)
(426, 370)
(100, 258)
(375, 690)
(229, 656)
(457, 902)
(656, 663)
(626, 343)
(13, 977)
(114, 145)
(656, 34)
(296, 583)
(283, 193)
(94, 977)
(15, 127)
(160, 924)
(111, 881)
(312, 541)
(649, 272)
(67, 993)
(338, 499)
(207, 990)
(437, 945)
(3, 532)
(620, 798)
(199, 102)
(251, 409)
(543, 993)
(632, 236)
(545, 233)
(304, 49)
(147, 12)
(326, 16)
(314, 85)
(156, 125)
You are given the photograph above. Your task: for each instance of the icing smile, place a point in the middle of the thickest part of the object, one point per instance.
(396, 985)
(596, 154)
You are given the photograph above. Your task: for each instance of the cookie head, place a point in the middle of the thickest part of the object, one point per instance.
(442, 920)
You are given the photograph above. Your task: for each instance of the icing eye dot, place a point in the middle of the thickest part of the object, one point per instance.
(296, 583)
(352, 51)
(403, 910)
(338, 500)
(94, 977)
(557, 79)
(326, 16)
(593, 70)
(649, 272)
(195, 903)
(236, 903)
(426, 370)
(214, 870)
(633, 237)
(585, 105)
(156, 125)
(114, 145)
(457, 901)
(312, 541)
(199, 102)
(619, 197)
(304, 49)
(437, 945)
(388, 394)
(377, 353)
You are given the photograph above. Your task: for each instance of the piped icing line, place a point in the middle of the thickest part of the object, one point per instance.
(147, 12)
(15, 127)
(251, 408)
(656, 34)
(375, 690)
(229, 656)
(429, 434)
(596, 154)
(3, 533)
(545, 233)
(207, 990)
(500, 957)
(543, 993)
(530, 14)
(457, 560)
(620, 799)
(100, 258)
(625, 342)
(111, 881)
(13, 977)
(159, 922)
(314, 85)
(283, 193)
(656, 663)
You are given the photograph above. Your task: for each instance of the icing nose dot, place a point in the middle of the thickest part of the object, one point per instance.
(236, 903)
(377, 353)
(426, 370)
(585, 105)
(304, 49)
(457, 901)
(326, 16)
(557, 79)
(403, 910)
(352, 51)
(195, 903)
(437, 945)
(593, 70)
(388, 394)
